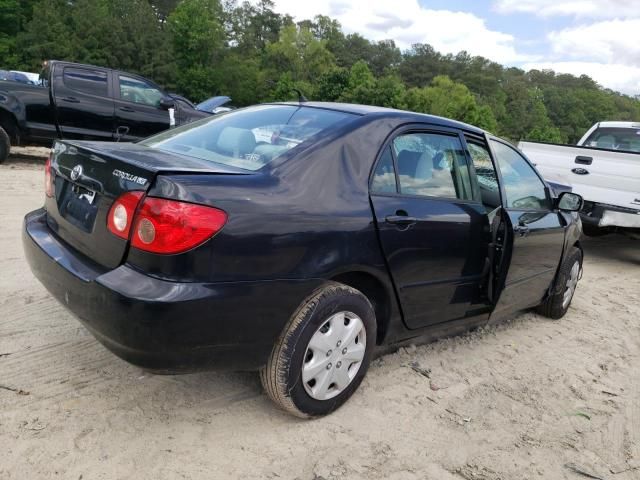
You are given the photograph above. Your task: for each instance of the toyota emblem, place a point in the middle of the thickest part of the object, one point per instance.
(76, 172)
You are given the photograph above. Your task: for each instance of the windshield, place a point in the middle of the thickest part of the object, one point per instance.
(615, 139)
(248, 138)
(213, 102)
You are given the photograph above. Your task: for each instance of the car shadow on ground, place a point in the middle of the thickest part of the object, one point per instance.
(613, 247)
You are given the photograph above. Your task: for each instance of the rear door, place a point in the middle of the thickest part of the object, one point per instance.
(433, 229)
(84, 107)
(137, 107)
(535, 236)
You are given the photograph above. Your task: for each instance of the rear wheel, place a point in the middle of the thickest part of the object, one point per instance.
(557, 304)
(5, 145)
(324, 352)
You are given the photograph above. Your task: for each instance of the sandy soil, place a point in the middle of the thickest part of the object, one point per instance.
(531, 398)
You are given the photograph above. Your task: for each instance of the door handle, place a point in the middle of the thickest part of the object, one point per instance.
(584, 160)
(400, 220)
(521, 230)
(127, 109)
(121, 131)
(70, 99)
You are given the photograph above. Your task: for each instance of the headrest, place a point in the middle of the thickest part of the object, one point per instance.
(408, 162)
(606, 141)
(236, 141)
(424, 170)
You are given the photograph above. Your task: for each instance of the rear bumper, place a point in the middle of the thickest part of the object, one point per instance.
(603, 215)
(162, 325)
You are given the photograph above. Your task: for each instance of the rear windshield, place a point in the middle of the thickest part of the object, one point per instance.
(248, 138)
(615, 139)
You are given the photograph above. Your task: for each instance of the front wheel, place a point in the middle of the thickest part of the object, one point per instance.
(556, 305)
(323, 353)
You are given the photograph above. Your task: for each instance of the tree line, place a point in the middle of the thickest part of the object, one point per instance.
(201, 48)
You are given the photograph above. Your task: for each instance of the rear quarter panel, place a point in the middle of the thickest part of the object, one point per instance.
(307, 216)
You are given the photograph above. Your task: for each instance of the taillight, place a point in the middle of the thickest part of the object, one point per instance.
(121, 214)
(48, 177)
(169, 226)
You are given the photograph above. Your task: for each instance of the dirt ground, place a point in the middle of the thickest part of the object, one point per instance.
(531, 398)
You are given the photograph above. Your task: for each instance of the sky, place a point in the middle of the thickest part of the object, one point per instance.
(599, 38)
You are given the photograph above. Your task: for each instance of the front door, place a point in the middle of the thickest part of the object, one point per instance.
(433, 229)
(137, 108)
(536, 231)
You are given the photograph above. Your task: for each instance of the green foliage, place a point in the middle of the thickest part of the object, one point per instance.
(246, 50)
(447, 98)
(299, 53)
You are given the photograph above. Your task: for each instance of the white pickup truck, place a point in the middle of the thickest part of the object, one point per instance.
(604, 168)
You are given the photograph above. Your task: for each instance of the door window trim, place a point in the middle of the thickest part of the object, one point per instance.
(483, 141)
(425, 128)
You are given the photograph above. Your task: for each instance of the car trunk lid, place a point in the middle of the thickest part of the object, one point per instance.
(89, 176)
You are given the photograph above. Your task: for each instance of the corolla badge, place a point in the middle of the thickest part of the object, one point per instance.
(76, 172)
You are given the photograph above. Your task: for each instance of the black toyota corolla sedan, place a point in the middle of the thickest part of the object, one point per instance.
(298, 239)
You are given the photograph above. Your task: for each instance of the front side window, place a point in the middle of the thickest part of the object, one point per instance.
(249, 138)
(139, 91)
(432, 164)
(615, 139)
(523, 187)
(93, 82)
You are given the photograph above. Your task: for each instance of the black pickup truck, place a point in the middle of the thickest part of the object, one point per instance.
(89, 103)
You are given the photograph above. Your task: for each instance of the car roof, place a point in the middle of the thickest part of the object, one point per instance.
(372, 110)
(619, 125)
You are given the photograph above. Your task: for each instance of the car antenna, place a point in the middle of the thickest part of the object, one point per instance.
(301, 97)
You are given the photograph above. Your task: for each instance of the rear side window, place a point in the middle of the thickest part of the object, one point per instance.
(251, 137)
(432, 165)
(384, 178)
(523, 187)
(93, 82)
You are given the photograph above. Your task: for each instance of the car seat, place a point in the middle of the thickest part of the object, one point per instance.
(606, 141)
(236, 142)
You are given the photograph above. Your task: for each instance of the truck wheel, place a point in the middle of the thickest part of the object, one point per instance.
(557, 304)
(5, 145)
(323, 353)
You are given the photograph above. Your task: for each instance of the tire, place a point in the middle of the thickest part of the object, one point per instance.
(334, 313)
(594, 231)
(5, 145)
(556, 305)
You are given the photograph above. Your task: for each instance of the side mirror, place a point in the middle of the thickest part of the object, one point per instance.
(570, 202)
(167, 102)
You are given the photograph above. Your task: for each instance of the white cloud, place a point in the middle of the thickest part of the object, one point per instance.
(406, 22)
(619, 77)
(613, 41)
(572, 8)
(607, 51)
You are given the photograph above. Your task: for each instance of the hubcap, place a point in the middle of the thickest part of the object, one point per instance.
(328, 369)
(572, 283)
